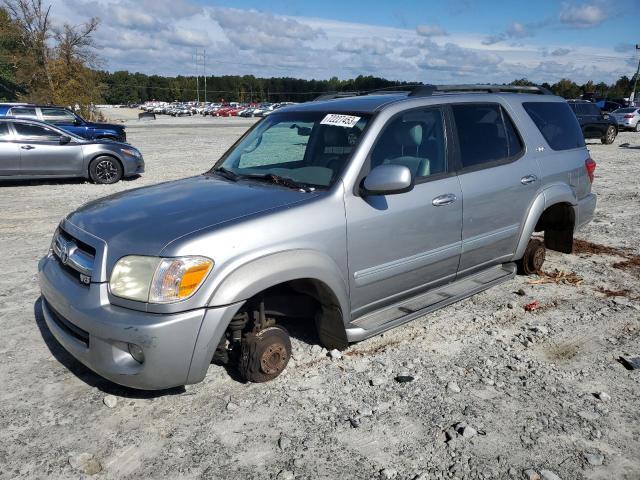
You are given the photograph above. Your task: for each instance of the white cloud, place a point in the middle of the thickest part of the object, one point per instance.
(373, 46)
(430, 31)
(582, 15)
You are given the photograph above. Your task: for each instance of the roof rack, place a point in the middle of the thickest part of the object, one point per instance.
(428, 90)
(332, 95)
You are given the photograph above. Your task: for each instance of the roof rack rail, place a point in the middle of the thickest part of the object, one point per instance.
(332, 95)
(428, 90)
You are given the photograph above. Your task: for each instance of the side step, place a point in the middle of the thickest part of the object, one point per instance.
(412, 308)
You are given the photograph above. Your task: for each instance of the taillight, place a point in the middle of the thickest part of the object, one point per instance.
(590, 165)
(628, 116)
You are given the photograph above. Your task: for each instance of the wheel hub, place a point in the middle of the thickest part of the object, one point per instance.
(106, 170)
(538, 259)
(274, 359)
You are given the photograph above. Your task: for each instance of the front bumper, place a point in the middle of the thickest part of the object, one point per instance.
(177, 348)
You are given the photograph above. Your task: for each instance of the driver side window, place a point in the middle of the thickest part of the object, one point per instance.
(415, 139)
(57, 115)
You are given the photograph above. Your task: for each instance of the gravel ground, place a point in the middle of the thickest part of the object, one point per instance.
(497, 392)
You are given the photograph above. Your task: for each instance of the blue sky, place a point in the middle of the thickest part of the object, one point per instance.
(431, 41)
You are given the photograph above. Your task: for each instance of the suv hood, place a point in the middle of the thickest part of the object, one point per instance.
(144, 220)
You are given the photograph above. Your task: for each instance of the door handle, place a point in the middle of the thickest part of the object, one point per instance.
(527, 179)
(27, 147)
(446, 199)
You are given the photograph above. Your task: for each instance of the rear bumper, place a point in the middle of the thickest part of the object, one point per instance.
(585, 210)
(177, 348)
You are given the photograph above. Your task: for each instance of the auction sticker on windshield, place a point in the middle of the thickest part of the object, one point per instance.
(337, 120)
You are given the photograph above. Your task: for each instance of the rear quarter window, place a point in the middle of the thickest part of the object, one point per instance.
(557, 123)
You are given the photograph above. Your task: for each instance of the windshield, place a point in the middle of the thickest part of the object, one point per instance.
(305, 148)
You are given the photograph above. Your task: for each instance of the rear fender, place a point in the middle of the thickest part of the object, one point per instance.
(553, 194)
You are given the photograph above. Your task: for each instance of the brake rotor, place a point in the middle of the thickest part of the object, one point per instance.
(273, 359)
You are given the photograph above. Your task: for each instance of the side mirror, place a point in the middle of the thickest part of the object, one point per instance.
(388, 180)
(77, 122)
(64, 139)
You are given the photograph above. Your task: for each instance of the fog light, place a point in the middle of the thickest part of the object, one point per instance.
(136, 352)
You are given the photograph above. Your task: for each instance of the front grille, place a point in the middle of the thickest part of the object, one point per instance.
(75, 256)
(69, 328)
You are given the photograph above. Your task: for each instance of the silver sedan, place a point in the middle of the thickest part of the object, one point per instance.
(33, 149)
(627, 118)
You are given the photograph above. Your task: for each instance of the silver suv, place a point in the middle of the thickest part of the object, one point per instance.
(347, 217)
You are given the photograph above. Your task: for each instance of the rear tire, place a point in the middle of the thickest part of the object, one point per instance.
(609, 136)
(264, 355)
(533, 258)
(105, 170)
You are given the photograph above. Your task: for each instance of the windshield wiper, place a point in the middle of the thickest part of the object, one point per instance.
(284, 181)
(226, 173)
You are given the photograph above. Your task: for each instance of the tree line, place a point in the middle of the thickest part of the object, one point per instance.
(57, 65)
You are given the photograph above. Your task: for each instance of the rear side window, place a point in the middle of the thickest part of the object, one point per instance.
(23, 112)
(486, 134)
(557, 123)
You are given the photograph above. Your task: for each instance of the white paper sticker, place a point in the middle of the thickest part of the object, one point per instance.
(347, 121)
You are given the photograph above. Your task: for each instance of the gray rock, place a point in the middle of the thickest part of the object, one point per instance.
(595, 459)
(603, 396)
(232, 406)
(530, 474)
(453, 387)
(285, 475)
(284, 443)
(85, 463)
(376, 381)
(388, 473)
(110, 401)
(335, 354)
(469, 432)
(548, 475)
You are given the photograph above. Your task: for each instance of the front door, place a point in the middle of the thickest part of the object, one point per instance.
(42, 153)
(401, 244)
(499, 181)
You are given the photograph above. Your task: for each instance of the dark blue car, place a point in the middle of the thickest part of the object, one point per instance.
(66, 120)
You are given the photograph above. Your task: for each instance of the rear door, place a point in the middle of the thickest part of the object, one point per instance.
(9, 152)
(402, 244)
(498, 180)
(42, 154)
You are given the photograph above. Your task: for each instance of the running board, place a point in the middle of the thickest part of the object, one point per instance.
(412, 308)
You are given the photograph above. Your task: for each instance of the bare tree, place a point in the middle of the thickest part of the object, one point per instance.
(75, 42)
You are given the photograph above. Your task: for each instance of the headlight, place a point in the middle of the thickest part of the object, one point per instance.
(158, 280)
(131, 152)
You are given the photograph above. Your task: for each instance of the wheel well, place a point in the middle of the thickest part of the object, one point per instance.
(310, 300)
(557, 222)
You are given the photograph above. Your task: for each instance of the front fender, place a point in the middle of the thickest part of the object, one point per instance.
(257, 275)
(551, 195)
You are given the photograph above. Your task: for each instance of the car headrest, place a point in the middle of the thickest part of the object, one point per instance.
(408, 134)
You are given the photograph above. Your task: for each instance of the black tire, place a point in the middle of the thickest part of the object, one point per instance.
(105, 170)
(610, 135)
(264, 355)
(637, 127)
(533, 258)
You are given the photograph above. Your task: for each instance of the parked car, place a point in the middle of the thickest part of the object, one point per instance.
(345, 216)
(593, 122)
(628, 118)
(67, 120)
(34, 149)
(607, 106)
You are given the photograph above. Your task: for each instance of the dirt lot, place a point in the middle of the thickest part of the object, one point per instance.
(497, 390)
